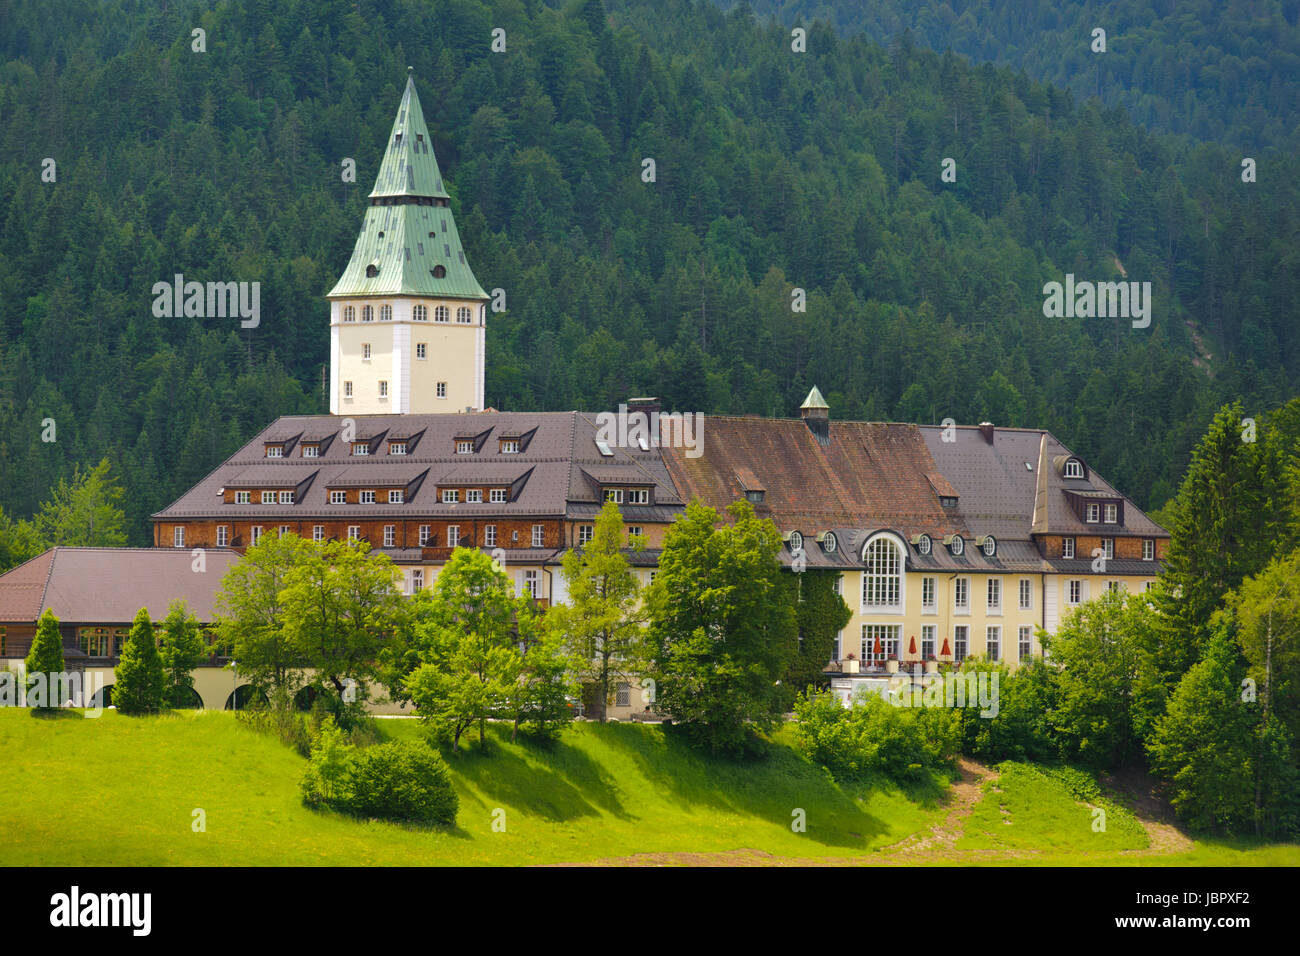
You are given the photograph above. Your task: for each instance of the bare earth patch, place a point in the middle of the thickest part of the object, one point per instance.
(938, 843)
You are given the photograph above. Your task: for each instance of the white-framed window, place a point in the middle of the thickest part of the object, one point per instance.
(880, 641)
(255, 533)
(365, 351)
(1026, 594)
(243, 497)
(367, 497)
(923, 544)
(284, 529)
(274, 451)
(928, 632)
(532, 583)
(1110, 514)
(318, 532)
(638, 496)
(441, 313)
(349, 314)
(474, 495)
(1114, 587)
(442, 390)
(367, 313)
(882, 581)
(994, 596)
(464, 447)
(420, 314)
(268, 497)
(223, 535)
(1108, 548)
(417, 579)
(286, 497)
(1026, 643)
(1074, 592)
(1073, 469)
(490, 536)
(929, 600)
(510, 446)
(311, 451)
(396, 496)
(960, 642)
(961, 595)
(424, 535)
(585, 533)
(385, 313)
(450, 495)
(463, 315)
(338, 497)
(635, 531)
(347, 389)
(354, 532)
(1094, 512)
(1067, 547)
(383, 389)
(390, 535)
(993, 642)
(615, 495)
(537, 536)
(178, 537)
(1148, 549)
(497, 495)
(360, 449)
(397, 448)
(453, 535)
(421, 351)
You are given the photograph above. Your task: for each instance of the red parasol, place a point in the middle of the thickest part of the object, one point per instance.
(945, 652)
(911, 645)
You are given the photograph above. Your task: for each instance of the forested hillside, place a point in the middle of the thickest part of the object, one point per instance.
(1225, 70)
(774, 170)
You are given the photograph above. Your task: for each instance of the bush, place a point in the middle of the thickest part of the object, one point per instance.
(874, 736)
(404, 781)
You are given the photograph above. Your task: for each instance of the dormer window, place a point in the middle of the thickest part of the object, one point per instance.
(956, 545)
(1094, 513)
(474, 495)
(396, 497)
(274, 451)
(360, 449)
(367, 498)
(796, 541)
(615, 495)
(510, 446)
(1109, 513)
(922, 543)
(989, 546)
(450, 496)
(1073, 468)
(947, 501)
(829, 542)
(638, 496)
(311, 451)
(497, 495)
(464, 446)
(397, 448)
(754, 497)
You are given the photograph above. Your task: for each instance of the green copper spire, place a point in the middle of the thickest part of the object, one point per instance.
(814, 400)
(408, 243)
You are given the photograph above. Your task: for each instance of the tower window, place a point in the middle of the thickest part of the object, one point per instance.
(441, 314)
(367, 312)
(385, 313)
(442, 390)
(439, 271)
(446, 250)
(365, 351)
(372, 270)
(463, 315)
(383, 389)
(421, 313)
(421, 350)
(347, 389)
(349, 314)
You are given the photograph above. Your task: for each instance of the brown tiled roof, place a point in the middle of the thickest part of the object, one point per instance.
(867, 476)
(109, 585)
(559, 446)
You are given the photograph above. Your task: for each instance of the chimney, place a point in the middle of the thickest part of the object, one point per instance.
(986, 429)
(816, 415)
(645, 404)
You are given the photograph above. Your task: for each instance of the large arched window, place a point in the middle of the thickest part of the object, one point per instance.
(367, 313)
(463, 315)
(882, 579)
(385, 313)
(422, 313)
(349, 314)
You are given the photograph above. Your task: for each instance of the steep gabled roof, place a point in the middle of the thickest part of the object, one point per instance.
(408, 234)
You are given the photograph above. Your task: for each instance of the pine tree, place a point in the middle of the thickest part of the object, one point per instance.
(140, 678)
(46, 658)
(182, 651)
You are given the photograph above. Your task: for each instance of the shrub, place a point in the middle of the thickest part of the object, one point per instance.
(405, 781)
(874, 736)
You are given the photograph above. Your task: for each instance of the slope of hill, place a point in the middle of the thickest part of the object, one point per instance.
(775, 171)
(1214, 70)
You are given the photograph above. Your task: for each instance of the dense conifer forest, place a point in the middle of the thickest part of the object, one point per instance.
(775, 171)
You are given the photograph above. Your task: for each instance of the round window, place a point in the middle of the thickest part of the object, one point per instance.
(796, 541)
(923, 544)
(990, 546)
(829, 542)
(958, 545)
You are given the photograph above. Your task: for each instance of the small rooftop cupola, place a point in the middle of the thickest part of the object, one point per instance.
(816, 415)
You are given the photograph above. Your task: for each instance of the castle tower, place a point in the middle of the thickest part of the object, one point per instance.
(407, 317)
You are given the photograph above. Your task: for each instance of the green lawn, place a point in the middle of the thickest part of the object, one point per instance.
(118, 790)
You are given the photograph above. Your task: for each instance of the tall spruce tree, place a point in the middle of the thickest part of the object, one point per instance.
(46, 658)
(182, 651)
(140, 677)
